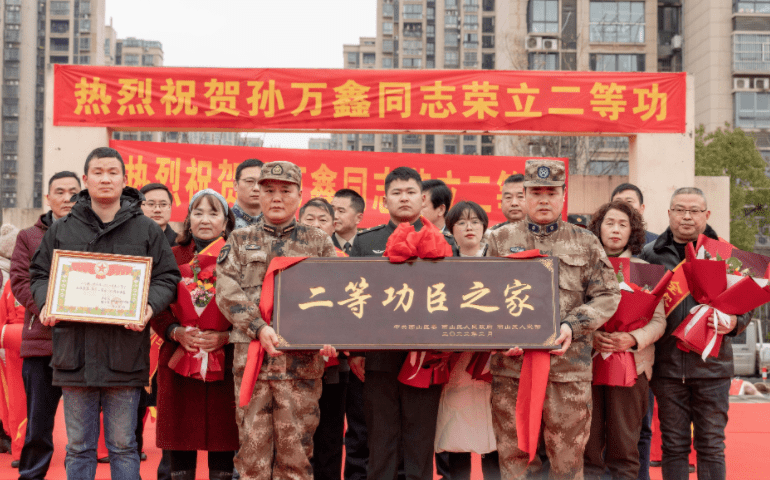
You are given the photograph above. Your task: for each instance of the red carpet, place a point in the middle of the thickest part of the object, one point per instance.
(748, 440)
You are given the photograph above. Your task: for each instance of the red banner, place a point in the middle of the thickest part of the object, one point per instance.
(368, 100)
(188, 168)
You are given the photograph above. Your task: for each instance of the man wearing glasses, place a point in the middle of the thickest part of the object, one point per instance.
(157, 205)
(247, 209)
(689, 389)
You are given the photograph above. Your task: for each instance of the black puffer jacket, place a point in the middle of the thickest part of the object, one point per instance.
(670, 361)
(95, 355)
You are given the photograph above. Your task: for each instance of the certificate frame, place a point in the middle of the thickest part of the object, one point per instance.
(98, 287)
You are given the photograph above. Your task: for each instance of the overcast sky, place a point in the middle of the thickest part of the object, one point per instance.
(248, 34)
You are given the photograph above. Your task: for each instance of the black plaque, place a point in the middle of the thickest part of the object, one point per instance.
(454, 303)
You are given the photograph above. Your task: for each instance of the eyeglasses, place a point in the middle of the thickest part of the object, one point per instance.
(681, 212)
(249, 182)
(153, 205)
(473, 223)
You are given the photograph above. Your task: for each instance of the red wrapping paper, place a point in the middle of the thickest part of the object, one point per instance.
(183, 362)
(429, 368)
(477, 367)
(707, 281)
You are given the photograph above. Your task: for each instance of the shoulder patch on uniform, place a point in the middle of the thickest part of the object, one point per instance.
(372, 229)
(223, 254)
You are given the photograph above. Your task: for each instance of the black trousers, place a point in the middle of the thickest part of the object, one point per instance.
(186, 460)
(457, 465)
(704, 402)
(42, 402)
(328, 438)
(356, 445)
(398, 416)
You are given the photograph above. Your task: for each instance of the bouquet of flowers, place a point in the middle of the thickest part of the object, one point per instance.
(637, 305)
(722, 287)
(195, 307)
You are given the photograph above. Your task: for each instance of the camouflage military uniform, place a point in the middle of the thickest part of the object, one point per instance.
(588, 296)
(276, 427)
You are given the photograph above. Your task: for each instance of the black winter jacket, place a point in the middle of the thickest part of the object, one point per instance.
(96, 355)
(670, 361)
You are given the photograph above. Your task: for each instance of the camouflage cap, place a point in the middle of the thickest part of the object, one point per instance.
(283, 171)
(544, 173)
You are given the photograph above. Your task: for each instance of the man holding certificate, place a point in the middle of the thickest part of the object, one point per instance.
(102, 363)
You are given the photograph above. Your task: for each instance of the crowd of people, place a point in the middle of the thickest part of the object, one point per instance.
(222, 385)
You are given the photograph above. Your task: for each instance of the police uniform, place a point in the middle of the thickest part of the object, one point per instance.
(396, 414)
(276, 427)
(588, 296)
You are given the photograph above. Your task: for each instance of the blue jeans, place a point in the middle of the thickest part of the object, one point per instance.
(81, 415)
(704, 402)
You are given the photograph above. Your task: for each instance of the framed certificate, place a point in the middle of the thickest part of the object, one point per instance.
(98, 287)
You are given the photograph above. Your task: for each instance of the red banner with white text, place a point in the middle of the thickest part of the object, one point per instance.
(188, 168)
(162, 98)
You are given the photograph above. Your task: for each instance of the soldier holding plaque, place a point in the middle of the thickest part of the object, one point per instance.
(588, 296)
(102, 367)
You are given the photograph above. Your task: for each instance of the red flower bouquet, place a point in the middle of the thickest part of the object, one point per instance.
(716, 291)
(196, 307)
(635, 310)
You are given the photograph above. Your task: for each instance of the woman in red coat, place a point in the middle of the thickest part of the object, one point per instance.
(196, 393)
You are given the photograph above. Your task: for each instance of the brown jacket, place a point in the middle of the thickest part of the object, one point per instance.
(588, 292)
(241, 268)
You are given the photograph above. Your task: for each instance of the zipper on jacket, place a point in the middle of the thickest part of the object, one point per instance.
(31, 321)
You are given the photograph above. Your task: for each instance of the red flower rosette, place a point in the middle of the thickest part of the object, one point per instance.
(190, 364)
(635, 310)
(423, 369)
(405, 243)
(707, 281)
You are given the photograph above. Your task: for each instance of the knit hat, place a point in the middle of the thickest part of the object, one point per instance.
(8, 235)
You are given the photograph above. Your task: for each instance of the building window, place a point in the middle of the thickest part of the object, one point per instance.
(488, 41)
(543, 61)
(488, 24)
(488, 61)
(12, 17)
(367, 148)
(451, 39)
(413, 30)
(608, 167)
(12, 35)
(367, 138)
(60, 8)
(85, 59)
(387, 62)
(430, 48)
(148, 60)
(411, 139)
(451, 58)
(412, 62)
(85, 6)
(471, 22)
(488, 5)
(412, 47)
(756, 6)
(387, 46)
(11, 71)
(751, 53)
(470, 5)
(451, 149)
(430, 30)
(752, 110)
(85, 25)
(131, 60)
(85, 43)
(60, 59)
(353, 58)
(412, 12)
(544, 16)
(471, 40)
(387, 28)
(470, 59)
(604, 62)
(469, 149)
(617, 22)
(430, 64)
(450, 20)
(387, 9)
(431, 13)
(368, 59)
(60, 26)
(60, 44)
(450, 4)
(12, 53)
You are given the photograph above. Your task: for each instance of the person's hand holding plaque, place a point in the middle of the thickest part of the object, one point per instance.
(565, 340)
(47, 320)
(148, 313)
(269, 341)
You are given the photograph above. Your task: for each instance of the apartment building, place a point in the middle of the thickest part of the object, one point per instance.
(598, 35)
(36, 33)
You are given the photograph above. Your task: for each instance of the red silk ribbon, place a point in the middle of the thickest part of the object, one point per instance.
(256, 352)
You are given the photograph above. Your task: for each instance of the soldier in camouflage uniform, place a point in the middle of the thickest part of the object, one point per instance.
(276, 427)
(588, 296)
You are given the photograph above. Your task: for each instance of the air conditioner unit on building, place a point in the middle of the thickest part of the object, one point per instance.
(762, 83)
(676, 42)
(550, 44)
(741, 83)
(533, 43)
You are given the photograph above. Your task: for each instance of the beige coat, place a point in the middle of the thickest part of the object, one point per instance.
(645, 337)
